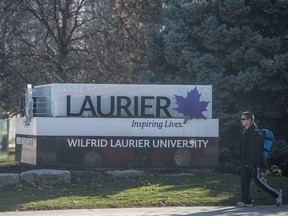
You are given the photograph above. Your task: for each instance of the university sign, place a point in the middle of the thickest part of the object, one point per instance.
(119, 125)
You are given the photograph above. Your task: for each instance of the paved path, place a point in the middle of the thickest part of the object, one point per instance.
(162, 211)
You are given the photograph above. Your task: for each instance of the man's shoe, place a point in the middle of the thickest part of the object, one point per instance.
(279, 199)
(242, 204)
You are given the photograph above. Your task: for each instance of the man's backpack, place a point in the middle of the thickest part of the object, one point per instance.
(268, 141)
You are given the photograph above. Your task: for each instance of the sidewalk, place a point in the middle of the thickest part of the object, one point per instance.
(162, 211)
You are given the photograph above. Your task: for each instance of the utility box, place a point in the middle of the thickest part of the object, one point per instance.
(117, 125)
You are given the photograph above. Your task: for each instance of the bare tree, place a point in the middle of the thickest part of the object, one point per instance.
(84, 41)
(53, 37)
(11, 76)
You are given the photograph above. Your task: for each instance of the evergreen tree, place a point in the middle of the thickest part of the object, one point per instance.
(237, 46)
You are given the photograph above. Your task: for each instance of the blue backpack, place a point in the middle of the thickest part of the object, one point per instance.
(268, 141)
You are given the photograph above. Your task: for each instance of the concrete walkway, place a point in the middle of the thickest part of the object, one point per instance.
(162, 211)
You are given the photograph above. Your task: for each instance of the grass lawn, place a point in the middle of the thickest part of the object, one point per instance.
(153, 189)
(150, 190)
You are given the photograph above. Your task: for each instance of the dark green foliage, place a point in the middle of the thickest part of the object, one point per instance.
(279, 156)
(237, 46)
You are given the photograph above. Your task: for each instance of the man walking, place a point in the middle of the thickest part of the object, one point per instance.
(252, 161)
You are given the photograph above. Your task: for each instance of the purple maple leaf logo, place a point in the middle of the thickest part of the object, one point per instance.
(191, 106)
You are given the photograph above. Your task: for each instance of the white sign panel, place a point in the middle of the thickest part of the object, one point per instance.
(121, 127)
(132, 101)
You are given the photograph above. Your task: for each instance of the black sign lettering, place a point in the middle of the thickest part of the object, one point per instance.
(90, 107)
(145, 106)
(68, 106)
(99, 107)
(122, 106)
(163, 107)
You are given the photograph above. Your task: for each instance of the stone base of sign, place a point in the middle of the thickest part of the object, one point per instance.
(8, 179)
(125, 173)
(85, 177)
(49, 177)
(45, 177)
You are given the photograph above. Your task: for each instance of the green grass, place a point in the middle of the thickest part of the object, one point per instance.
(148, 191)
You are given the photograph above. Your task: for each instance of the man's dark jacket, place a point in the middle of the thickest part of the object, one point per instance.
(252, 147)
